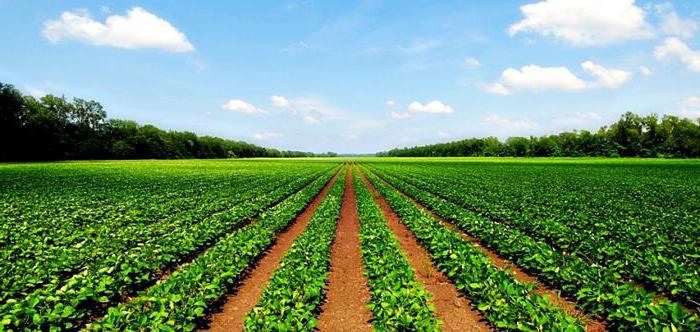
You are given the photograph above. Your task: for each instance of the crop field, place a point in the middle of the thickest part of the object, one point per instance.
(332, 244)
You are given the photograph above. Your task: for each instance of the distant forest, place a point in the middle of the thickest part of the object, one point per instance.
(53, 128)
(631, 136)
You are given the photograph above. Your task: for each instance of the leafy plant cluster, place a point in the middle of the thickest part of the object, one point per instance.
(181, 301)
(292, 298)
(31, 261)
(72, 301)
(398, 301)
(647, 232)
(597, 289)
(505, 302)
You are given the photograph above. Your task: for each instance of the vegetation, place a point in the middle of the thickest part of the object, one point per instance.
(53, 128)
(398, 302)
(75, 293)
(506, 303)
(293, 297)
(158, 245)
(188, 295)
(631, 136)
(601, 287)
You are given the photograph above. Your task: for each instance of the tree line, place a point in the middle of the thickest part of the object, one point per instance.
(54, 128)
(631, 136)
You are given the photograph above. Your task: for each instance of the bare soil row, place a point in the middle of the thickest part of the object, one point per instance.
(346, 288)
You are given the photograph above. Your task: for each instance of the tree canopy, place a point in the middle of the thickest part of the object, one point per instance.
(631, 136)
(54, 128)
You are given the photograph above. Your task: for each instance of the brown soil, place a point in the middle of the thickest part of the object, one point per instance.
(554, 296)
(238, 305)
(346, 291)
(452, 308)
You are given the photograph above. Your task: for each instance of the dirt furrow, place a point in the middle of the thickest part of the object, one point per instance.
(451, 306)
(347, 292)
(554, 296)
(239, 304)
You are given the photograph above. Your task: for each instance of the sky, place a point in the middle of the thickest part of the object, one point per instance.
(359, 76)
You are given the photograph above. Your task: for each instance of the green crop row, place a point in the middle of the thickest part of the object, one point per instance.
(55, 261)
(596, 289)
(71, 302)
(293, 297)
(182, 301)
(505, 302)
(398, 301)
(628, 236)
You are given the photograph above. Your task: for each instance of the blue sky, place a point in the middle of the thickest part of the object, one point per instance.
(360, 76)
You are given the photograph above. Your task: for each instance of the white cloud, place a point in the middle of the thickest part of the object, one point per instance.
(644, 70)
(472, 62)
(279, 101)
(534, 78)
(690, 108)
(509, 124)
(434, 106)
(138, 29)
(240, 106)
(585, 23)
(607, 78)
(674, 25)
(266, 136)
(443, 134)
(400, 115)
(674, 48)
(390, 103)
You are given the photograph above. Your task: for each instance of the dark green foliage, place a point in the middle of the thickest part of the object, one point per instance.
(506, 303)
(292, 298)
(129, 250)
(186, 297)
(398, 302)
(517, 233)
(53, 128)
(631, 136)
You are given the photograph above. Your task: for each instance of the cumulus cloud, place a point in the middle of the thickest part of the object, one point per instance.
(390, 103)
(266, 136)
(400, 115)
(434, 106)
(279, 101)
(240, 106)
(585, 23)
(534, 78)
(644, 70)
(674, 25)
(607, 78)
(138, 29)
(675, 49)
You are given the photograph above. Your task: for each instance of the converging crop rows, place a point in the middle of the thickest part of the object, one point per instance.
(330, 244)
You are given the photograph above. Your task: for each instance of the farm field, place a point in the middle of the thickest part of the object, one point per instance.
(454, 244)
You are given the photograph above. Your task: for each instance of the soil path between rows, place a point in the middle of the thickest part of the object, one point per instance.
(452, 308)
(238, 305)
(347, 292)
(554, 296)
